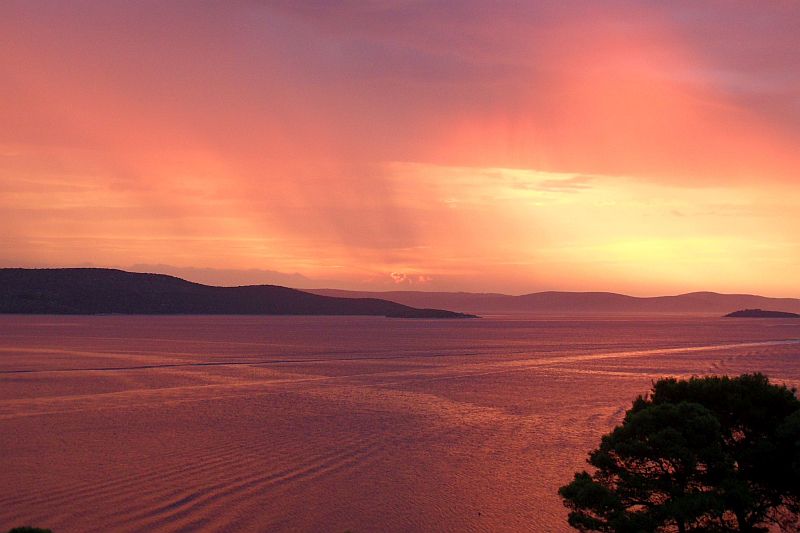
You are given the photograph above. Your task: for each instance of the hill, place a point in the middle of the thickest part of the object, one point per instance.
(576, 302)
(92, 291)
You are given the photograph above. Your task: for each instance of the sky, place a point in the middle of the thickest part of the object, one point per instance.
(641, 147)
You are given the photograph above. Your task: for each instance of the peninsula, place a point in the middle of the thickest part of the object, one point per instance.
(93, 291)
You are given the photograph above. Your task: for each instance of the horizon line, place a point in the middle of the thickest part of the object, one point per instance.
(384, 291)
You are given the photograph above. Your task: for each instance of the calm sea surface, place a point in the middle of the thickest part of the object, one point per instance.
(332, 423)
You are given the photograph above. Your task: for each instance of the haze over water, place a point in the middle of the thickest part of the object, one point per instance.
(332, 423)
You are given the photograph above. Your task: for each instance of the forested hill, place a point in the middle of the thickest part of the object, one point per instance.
(107, 291)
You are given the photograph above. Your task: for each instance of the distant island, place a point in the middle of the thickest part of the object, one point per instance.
(576, 302)
(761, 313)
(94, 291)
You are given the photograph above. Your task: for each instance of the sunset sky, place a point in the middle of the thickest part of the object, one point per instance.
(642, 147)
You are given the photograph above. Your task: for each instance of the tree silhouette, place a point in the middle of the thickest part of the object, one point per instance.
(705, 454)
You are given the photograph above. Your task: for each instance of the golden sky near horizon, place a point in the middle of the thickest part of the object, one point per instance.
(639, 147)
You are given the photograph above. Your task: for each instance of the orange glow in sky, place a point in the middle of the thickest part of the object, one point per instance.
(639, 147)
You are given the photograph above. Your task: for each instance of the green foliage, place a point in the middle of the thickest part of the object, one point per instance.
(707, 454)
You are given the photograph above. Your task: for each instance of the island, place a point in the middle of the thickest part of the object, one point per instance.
(102, 291)
(761, 313)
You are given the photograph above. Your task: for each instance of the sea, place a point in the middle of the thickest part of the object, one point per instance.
(333, 424)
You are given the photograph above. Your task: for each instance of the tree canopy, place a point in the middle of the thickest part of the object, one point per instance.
(705, 454)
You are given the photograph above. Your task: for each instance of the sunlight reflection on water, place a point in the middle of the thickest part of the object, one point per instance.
(332, 423)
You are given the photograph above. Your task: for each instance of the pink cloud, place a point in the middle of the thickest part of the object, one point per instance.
(258, 135)
(401, 278)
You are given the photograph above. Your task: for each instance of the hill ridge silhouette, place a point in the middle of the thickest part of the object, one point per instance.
(92, 291)
(578, 302)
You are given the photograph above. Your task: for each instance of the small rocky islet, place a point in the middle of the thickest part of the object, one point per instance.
(761, 313)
